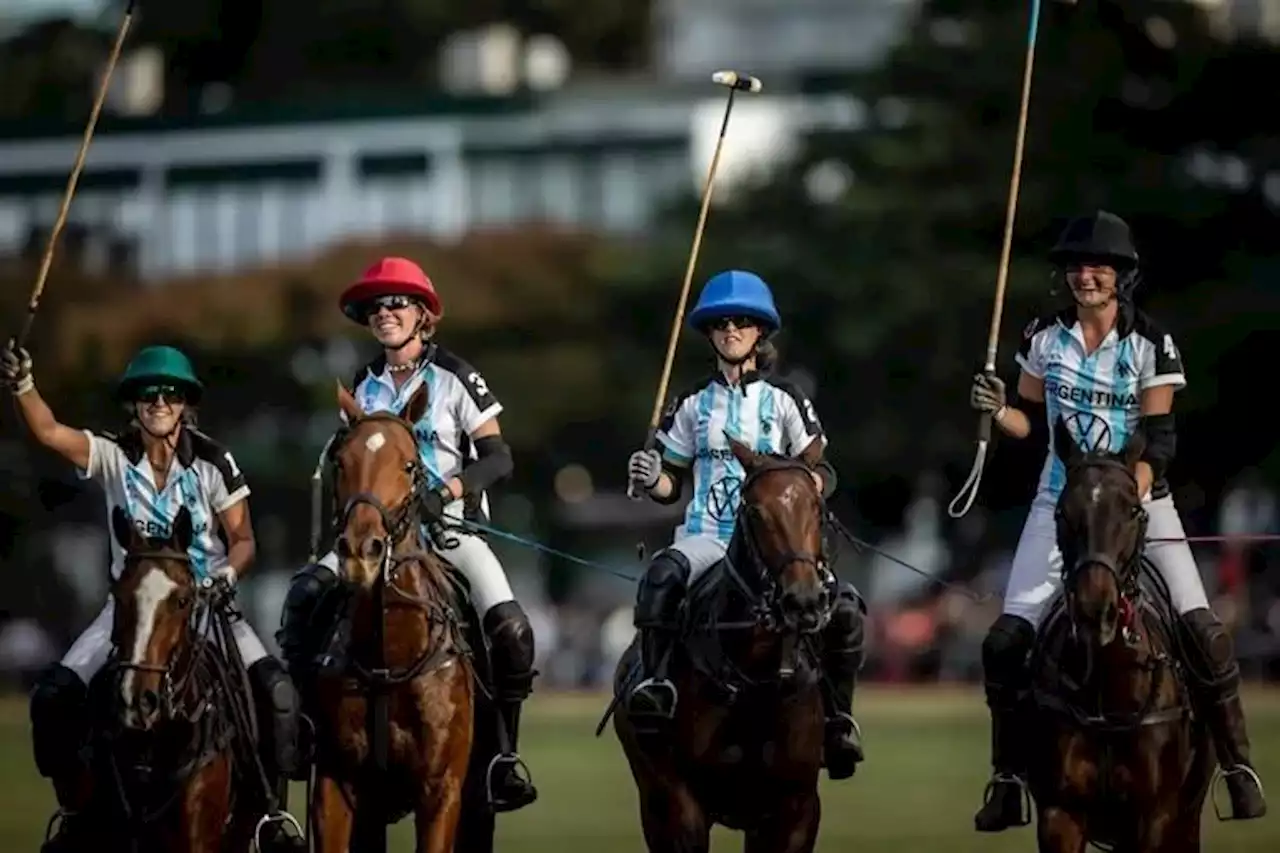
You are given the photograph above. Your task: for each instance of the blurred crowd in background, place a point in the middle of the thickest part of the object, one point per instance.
(542, 161)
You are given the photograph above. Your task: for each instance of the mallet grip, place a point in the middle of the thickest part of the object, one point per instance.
(734, 80)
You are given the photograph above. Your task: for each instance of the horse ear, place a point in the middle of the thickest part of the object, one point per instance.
(812, 454)
(1134, 448)
(417, 405)
(748, 457)
(122, 528)
(182, 531)
(1064, 443)
(348, 405)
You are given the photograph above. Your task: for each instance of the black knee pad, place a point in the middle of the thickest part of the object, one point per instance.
(275, 686)
(661, 589)
(1005, 650)
(1209, 651)
(309, 586)
(59, 720)
(512, 651)
(845, 635)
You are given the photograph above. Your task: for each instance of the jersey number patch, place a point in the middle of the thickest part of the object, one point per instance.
(1170, 351)
(478, 383)
(809, 413)
(231, 463)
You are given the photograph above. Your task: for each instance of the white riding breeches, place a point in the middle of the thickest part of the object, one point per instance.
(701, 551)
(1036, 575)
(474, 560)
(89, 653)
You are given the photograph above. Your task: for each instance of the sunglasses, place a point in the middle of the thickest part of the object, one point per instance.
(722, 323)
(154, 393)
(391, 303)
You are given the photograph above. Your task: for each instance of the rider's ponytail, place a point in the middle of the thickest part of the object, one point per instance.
(766, 356)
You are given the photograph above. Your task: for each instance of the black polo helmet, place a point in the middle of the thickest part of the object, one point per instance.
(1100, 236)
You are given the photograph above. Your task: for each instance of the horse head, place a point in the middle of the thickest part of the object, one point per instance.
(1101, 527)
(153, 605)
(780, 522)
(378, 479)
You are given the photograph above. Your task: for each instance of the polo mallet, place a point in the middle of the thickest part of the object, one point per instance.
(735, 83)
(58, 224)
(969, 491)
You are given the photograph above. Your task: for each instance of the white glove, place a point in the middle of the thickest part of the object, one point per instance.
(224, 575)
(643, 468)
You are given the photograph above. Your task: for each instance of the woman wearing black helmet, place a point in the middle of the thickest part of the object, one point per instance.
(1108, 370)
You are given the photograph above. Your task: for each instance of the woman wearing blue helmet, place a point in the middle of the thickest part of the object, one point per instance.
(736, 312)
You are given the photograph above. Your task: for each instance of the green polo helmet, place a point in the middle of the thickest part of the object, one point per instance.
(159, 366)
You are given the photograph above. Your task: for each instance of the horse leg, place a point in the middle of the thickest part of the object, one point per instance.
(438, 814)
(672, 819)
(332, 818)
(793, 830)
(476, 826)
(206, 802)
(1060, 831)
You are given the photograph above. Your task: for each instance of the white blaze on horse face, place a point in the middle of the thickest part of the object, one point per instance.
(375, 442)
(1096, 494)
(154, 588)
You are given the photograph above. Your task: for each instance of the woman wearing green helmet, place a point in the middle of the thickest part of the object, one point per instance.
(157, 466)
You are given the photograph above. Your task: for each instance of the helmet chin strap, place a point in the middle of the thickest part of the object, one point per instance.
(416, 334)
(142, 424)
(734, 362)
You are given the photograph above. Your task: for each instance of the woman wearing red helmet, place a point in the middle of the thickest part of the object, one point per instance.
(463, 454)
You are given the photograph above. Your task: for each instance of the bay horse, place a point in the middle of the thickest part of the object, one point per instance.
(394, 736)
(172, 763)
(1117, 758)
(745, 747)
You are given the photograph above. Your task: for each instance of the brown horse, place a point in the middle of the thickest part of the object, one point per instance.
(746, 744)
(395, 737)
(177, 754)
(1117, 759)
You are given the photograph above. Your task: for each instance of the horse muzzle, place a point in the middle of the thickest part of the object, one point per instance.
(806, 610)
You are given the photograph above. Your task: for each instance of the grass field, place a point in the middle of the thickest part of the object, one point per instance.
(917, 791)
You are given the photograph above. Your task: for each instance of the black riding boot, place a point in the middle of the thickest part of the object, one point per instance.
(512, 652)
(314, 632)
(842, 657)
(1004, 663)
(59, 735)
(276, 702)
(651, 704)
(1216, 678)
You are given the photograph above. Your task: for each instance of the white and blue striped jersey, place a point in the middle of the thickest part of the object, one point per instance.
(204, 478)
(1097, 394)
(765, 413)
(458, 402)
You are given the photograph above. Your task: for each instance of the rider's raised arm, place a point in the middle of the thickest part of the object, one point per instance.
(227, 492)
(801, 429)
(1161, 374)
(74, 445)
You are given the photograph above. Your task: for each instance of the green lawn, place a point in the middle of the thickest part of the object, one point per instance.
(917, 791)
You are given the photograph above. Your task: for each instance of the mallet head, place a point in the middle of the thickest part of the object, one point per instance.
(734, 80)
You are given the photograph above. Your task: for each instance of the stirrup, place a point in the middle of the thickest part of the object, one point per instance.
(842, 717)
(1220, 776)
(496, 763)
(279, 817)
(656, 686)
(59, 819)
(1024, 805)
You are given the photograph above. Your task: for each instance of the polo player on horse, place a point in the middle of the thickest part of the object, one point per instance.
(160, 464)
(463, 453)
(1108, 367)
(742, 399)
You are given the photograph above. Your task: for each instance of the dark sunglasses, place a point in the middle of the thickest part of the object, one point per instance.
(154, 393)
(722, 323)
(391, 303)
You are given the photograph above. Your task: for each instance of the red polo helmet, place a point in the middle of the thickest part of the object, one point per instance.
(390, 277)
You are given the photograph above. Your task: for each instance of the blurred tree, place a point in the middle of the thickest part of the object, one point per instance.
(49, 71)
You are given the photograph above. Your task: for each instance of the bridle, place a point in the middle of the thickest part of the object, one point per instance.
(766, 593)
(1125, 568)
(400, 524)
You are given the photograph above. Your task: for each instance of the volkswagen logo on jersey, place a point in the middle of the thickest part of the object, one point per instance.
(1091, 432)
(724, 497)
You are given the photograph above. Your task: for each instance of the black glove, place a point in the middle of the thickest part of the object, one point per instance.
(987, 394)
(434, 502)
(15, 368)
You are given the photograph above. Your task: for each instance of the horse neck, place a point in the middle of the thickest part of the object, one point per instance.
(1120, 675)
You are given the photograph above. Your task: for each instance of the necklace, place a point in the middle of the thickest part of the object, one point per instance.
(401, 368)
